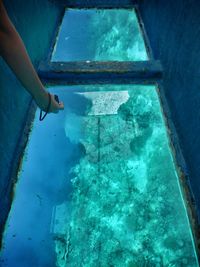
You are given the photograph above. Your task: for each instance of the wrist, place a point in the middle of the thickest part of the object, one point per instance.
(42, 99)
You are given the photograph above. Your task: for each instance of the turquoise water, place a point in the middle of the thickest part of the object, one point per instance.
(98, 186)
(100, 35)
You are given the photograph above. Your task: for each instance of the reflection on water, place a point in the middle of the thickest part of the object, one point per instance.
(100, 35)
(98, 186)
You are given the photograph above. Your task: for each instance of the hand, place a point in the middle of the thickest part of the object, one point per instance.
(43, 100)
(55, 106)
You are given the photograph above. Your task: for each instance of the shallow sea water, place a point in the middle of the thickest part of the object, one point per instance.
(100, 35)
(98, 186)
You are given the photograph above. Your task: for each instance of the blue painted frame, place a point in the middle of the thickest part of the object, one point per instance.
(148, 72)
(103, 72)
(79, 71)
(96, 3)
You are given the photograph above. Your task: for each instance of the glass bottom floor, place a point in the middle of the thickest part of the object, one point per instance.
(98, 186)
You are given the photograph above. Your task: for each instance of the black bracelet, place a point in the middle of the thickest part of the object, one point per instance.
(47, 110)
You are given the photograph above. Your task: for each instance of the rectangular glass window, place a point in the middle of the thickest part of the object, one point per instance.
(99, 35)
(98, 186)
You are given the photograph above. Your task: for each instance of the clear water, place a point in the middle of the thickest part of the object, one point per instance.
(100, 35)
(98, 186)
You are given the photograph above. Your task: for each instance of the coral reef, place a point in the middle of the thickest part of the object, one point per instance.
(127, 208)
(100, 35)
(112, 41)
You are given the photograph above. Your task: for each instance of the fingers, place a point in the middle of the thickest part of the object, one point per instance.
(61, 106)
(56, 106)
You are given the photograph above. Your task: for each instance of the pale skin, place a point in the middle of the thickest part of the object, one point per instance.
(13, 51)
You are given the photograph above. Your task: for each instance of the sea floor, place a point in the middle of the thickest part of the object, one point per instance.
(100, 35)
(98, 186)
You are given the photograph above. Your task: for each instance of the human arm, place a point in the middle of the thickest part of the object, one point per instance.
(13, 51)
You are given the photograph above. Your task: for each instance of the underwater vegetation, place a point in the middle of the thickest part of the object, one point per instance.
(126, 207)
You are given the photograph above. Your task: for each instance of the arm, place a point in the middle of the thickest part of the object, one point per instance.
(14, 53)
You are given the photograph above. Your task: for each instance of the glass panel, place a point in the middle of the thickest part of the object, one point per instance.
(99, 35)
(98, 186)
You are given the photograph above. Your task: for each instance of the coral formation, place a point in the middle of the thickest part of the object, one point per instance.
(126, 204)
(100, 35)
